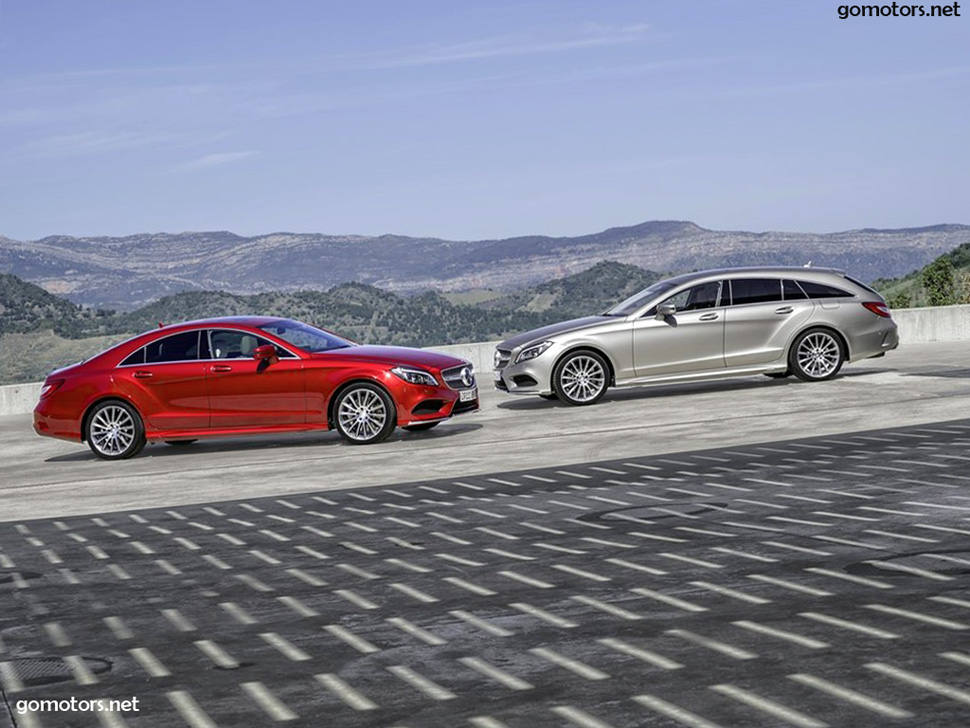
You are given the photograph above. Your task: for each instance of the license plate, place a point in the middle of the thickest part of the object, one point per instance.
(468, 395)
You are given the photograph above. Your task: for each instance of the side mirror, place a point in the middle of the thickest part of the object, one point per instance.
(666, 309)
(266, 352)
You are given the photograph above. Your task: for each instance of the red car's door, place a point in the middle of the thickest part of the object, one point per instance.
(246, 393)
(166, 381)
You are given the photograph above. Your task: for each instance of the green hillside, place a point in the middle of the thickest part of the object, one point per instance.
(57, 332)
(944, 281)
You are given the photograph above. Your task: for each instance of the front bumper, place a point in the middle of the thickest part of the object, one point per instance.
(530, 377)
(417, 404)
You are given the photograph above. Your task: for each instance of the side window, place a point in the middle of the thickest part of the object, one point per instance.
(793, 291)
(229, 344)
(820, 290)
(755, 290)
(696, 298)
(178, 347)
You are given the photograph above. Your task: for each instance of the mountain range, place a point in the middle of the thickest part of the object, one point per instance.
(127, 272)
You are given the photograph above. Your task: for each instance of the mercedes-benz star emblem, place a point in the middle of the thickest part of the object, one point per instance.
(466, 377)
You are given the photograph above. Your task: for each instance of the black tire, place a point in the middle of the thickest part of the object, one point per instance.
(114, 430)
(421, 426)
(816, 355)
(581, 378)
(179, 443)
(779, 375)
(364, 414)
(551, 397)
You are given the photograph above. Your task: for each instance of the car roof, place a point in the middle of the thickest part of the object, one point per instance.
(251, 321)
(776, 270)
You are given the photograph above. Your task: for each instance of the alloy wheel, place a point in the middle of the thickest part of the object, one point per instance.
(362, 414)
(819, 355)
(582, 379)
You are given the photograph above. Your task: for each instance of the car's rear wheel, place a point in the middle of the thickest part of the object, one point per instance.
(179, 443)
(421, 426)
(364, 414)
(114, 430)
(581, 378)
(816, 355)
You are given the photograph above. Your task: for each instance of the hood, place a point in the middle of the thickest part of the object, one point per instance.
(548, 331)
(396, 355)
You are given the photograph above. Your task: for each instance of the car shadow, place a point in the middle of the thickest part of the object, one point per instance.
(660, 391)
(283, 440)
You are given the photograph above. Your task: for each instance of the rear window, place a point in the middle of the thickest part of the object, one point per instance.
(820, 290)
(793, 291)
(755, 290)
(178, 347)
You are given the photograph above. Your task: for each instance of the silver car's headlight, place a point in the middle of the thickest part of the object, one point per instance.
(532, 352)
(415, 376)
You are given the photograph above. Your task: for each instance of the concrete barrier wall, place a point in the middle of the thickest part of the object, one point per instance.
(916, 325)
(16, 399)
(943, 323)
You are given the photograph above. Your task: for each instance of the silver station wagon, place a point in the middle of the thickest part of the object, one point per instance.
(779, 322)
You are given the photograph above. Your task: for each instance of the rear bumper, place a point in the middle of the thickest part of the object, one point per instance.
(48, 422)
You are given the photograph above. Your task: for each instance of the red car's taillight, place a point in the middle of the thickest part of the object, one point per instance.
(880, 309)
(50, 386)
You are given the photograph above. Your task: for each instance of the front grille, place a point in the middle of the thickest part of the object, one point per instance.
(502, 358)
(453, 377)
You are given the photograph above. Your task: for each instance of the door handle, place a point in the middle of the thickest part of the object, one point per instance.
(221, 368)
(709, 317)
(784, 310)
(142, 375)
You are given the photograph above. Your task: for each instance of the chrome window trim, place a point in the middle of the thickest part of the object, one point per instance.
(203, 329)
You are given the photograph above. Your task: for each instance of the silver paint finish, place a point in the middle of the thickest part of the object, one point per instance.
(721, 341)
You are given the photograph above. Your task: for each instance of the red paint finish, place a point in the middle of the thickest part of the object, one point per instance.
(210, 391)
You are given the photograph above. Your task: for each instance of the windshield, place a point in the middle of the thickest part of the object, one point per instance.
(308, 338)
(638, 300)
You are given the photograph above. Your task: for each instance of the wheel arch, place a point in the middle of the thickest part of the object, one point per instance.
(825, 327)
(349, 383)
(590, 348)
(101, 400)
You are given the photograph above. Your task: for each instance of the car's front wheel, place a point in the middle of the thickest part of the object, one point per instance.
(816, 355)
(115, 431)
(581, 378)
(364, 414)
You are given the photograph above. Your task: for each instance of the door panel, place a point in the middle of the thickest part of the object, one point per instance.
(689, 341)
(244, 392)
(166, 382)
(758, 333)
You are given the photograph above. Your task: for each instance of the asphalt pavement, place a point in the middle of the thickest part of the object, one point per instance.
(734, 554)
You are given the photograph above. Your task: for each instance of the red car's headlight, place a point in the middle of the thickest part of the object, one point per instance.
(50, 386)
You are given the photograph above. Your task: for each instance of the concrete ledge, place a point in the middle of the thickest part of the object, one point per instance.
(17, 399)
(916, 326)
(943, 323)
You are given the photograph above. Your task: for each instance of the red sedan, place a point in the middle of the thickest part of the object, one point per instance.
(244, 375)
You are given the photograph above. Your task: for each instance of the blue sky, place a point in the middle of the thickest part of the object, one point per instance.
(471, 120)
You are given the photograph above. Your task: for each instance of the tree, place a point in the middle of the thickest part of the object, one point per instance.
(900, 300)
(938, 280)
